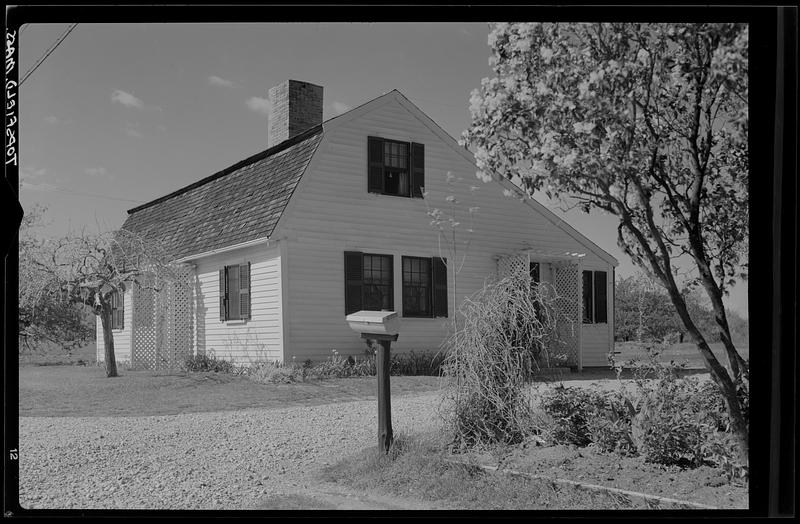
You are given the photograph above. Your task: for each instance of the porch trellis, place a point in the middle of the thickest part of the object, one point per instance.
(567, 285)
(161, 334)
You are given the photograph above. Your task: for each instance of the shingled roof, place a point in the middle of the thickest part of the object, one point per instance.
(235, 205)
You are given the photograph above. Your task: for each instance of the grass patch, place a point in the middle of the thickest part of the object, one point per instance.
(79, 391)
(417, 468)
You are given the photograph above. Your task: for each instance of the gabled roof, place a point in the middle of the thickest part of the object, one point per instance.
(236, 205)
(244, 202)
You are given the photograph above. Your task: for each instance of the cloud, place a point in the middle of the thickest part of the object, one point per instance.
(221, 82)
(37, 186)
(126, 99)
(259, 105)
(340, 107)
(132, 130)
(96, 171)
(32, 172)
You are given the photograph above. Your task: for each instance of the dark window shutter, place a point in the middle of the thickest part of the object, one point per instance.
(439, 287)
(588, 317)
(244, 291)
(417, 164)
(600, 294)
(375, 164)
(233, 292)
(223, 293)
(120, 309)
(353, 279)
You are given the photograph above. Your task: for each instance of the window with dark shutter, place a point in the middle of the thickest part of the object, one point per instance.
(417, 169)
(377, 291)
(395, 168)
(439, 286)
(117, 310)
(244, 291)
(417, 290)
(353, 280)
(223, 294)
(588, 301)
(234, 292)
(375, 161)
(600, 300)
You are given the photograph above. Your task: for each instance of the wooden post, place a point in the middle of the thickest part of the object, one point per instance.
(382, 361)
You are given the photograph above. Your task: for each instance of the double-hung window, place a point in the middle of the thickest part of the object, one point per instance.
(595, 308)
(395, 168)
(369, 282)
(424, 287)
(234, 292)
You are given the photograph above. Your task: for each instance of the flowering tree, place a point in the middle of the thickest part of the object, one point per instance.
(87, 269)
(646, 122)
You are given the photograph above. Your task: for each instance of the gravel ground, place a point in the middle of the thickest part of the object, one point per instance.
(218, 460)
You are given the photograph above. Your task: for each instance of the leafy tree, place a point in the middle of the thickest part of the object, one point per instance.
(86, 269)
(643, 311)
(646, 122)
(44, 318)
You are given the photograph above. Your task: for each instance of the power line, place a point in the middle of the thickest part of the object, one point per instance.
(53, 48)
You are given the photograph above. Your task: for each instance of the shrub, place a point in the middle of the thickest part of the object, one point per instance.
(275, 373)
(413, 363)
(509, 330)
(207, 362)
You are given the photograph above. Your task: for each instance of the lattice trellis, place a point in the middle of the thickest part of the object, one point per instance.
(513, 265)
(161, 336)
(568, 289)
(567, 285)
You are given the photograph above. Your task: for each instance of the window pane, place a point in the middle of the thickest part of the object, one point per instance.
(377, 282)
(416, 287)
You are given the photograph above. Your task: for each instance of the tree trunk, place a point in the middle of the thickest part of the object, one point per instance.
(108, 340)
(720, 377)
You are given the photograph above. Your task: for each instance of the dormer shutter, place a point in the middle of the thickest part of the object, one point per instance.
(375, 164)
(417, 163)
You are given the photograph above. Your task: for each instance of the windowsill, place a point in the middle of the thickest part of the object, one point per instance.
(236, 322)
(392, 195)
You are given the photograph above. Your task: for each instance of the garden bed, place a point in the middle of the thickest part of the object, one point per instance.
(703, 485)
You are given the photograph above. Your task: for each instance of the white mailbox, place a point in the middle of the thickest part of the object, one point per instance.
(374, 322)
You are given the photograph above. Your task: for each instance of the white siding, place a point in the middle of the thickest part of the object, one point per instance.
(122, 337)
(332, 212)
(261, 337)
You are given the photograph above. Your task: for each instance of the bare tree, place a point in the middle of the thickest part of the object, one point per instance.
(88, 269)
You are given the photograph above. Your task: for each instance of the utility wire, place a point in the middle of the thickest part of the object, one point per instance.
(52, 48)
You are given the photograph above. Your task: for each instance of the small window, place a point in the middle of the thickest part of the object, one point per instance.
(395, 168)
(234, 292)
(595, 307)
(117, 310)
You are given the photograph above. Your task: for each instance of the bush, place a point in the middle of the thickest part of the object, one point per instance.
(509, 330)
(275, 373)
(207, 362)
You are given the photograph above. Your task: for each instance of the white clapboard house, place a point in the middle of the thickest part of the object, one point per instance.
(331, 219)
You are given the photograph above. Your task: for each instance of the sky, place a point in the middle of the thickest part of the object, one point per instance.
(121, 114)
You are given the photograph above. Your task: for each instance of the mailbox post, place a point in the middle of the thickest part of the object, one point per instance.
(383, 327)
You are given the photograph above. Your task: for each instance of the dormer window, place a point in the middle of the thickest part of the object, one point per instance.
(395, 168)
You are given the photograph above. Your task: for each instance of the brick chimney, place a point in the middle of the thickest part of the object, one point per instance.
(294, 107)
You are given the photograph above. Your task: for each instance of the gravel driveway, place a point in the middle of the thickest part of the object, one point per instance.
(218, 460)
